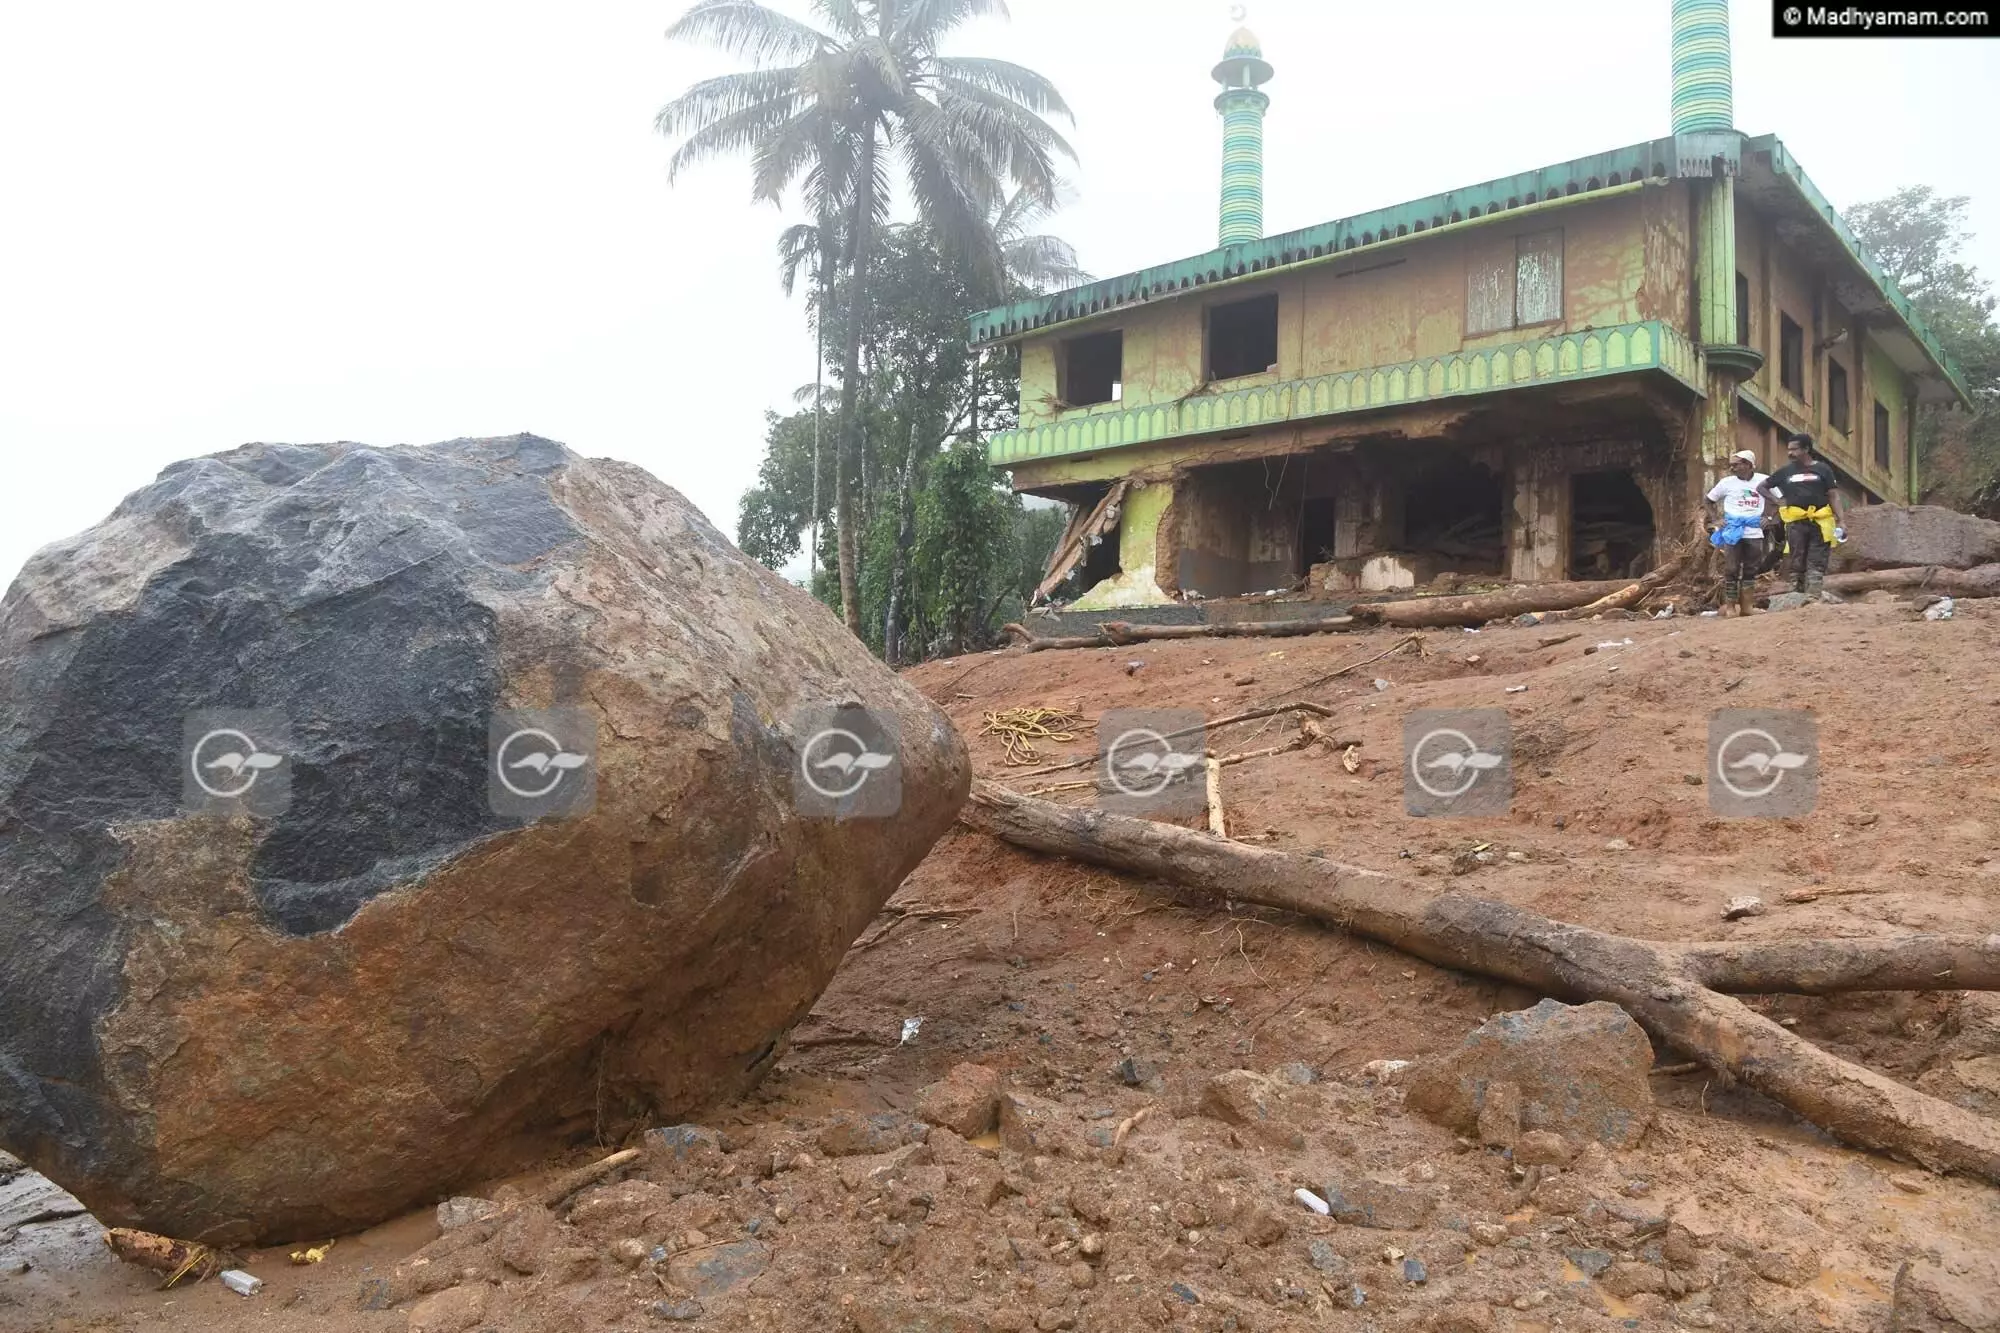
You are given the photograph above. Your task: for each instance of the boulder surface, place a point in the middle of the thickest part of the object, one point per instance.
(236, 1023)
(1887, 536)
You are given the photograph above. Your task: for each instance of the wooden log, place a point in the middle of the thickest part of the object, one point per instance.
(1666, 987)
(1979, 581)
(1120, 634)
(1216, 824)
(574, 1182)
(1480, 607)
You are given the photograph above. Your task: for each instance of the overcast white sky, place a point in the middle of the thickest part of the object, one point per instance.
(404, 222)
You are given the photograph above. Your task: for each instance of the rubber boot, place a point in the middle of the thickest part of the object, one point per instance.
(1746, 600)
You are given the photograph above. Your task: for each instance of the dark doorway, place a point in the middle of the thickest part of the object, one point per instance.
(1100, 561)
(1316, 520)
(1243, 337)
(1456, 508)
(1610, 526)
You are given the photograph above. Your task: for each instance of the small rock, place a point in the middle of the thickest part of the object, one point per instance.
(630, 1252)
(966, 1101)
(1789, 601)
(456, 1212)
(1326, 1259)
(451, 1311)
(1296, 1073)
(1386, 1072)
(1745, 905)
(1517, 856)
(1414, 1272)
(1370, 1201)
(675, 1311)
(1381, 684)
(1091, 1246)
(1185, 1292)
(1910, 1184)
(1691, 779)
(851, 1135)
(712, 1270)
(672, 1147)
(1541, 1147)
(890, 1235)
(1488, 1233)
(1134, 1073)
(1582, 1071)
(1593, 1263)
(1082, 1275)
(1250, 1100)
(1618, 845)
(1420, 1173)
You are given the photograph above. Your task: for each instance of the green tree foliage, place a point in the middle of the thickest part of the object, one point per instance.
(1918, 237)
(943, 538)
(841, 111)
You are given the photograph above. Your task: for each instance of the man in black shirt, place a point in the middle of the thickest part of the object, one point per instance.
(1815, 513)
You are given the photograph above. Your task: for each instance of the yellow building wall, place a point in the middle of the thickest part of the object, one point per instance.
(1373, 308)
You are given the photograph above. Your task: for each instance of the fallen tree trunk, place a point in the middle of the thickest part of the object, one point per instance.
(1979, 581)
(1674, 990)
(1478, 608)
(1119, 633)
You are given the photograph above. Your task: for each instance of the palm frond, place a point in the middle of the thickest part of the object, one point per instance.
(749, 29)
(1019, 144)
(924, 23)
(741, 132)
(1006, 79)
(843, 16)
(1043, 262)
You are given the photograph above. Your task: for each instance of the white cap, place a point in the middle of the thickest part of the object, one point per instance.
(1744, 455)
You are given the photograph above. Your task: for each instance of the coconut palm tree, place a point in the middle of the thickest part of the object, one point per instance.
(836, 111)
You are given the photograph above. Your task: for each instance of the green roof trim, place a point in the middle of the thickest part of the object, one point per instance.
(1787, 168)
(1329, 240)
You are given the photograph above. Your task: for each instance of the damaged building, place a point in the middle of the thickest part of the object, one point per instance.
(1530, 379)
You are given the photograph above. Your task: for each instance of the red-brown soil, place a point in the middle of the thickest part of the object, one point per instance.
(1054, 973)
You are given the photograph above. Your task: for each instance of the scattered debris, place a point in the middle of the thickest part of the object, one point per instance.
(1745, 905)
(911, 1026)
(313, 1255)
(242, 1283)
(177, 1259)
(1019, 728)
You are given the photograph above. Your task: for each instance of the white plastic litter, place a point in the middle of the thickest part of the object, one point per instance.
(242, 1283)
(1516, 689)
(1312, 1201)
(1381, 684)
(910, 1026)
(1616, 643)
(1939, 610)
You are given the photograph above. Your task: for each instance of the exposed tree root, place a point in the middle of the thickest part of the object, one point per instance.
(1674, 990)
(1979, 581)
(1118, 633)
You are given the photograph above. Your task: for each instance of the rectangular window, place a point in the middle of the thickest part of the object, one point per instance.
(1791, 356)
(1836, 396)
(1884, 439)
(1091, 369)
(1243, 337)
(1743, 312)
(1517, 289)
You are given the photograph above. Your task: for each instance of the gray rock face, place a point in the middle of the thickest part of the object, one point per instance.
(286, 1022)
(1576, 1070)
(1885, 536)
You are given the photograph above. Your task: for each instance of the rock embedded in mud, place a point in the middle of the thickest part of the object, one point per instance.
(1957, 1290)
(965, 1101)
(296, 1021)
(1581, 1071)
(1251, 1101)
(847, 1134)
(1371, 1201)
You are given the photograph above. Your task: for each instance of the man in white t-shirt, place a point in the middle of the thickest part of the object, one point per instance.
(1736, 528)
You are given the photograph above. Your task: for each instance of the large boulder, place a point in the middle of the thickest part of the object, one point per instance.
(1887, 536)
(231, 1021)
(1575, 1070)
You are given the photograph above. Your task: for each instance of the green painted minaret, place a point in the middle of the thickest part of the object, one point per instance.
(1704, 96)
(1242, 71)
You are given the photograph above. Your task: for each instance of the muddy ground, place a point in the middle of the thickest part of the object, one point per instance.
(1095, 998)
